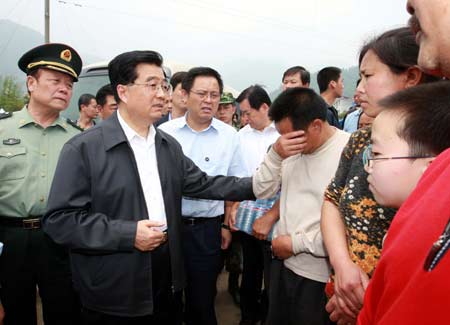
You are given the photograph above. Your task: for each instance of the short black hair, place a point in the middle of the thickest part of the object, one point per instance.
(177, 78)
(192, 74)
(301, 105)
(102, 93)
(425, 115)
(256, 96)
(122, 69)
(85, 99)
(305, 76)
(326, 75)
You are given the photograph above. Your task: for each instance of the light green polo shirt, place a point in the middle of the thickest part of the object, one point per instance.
(28, 157)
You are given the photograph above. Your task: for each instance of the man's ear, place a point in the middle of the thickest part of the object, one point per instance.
(184, 95)
(332, 84)
(264, 107)
(31, 83)
(413, 76)
(316, 125)
(122, 91)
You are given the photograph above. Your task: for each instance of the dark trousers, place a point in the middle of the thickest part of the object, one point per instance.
(91, 317)
(294, 299)
(30, 259)
(202, 254)
(256, 267)
(232, 258)
(167, 305)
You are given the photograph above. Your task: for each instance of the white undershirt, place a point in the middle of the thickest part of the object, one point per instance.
(145, 155)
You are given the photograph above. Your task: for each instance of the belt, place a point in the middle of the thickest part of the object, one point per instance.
(192, 221)
(33, 222)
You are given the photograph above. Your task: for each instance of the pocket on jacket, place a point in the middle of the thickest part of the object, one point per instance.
(13, 163)
(99, 271)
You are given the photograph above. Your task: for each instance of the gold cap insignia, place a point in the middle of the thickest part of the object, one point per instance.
(66, 55)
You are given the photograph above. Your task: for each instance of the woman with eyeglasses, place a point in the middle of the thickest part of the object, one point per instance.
(353, 224)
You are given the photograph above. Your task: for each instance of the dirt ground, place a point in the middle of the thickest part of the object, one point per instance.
(227, 312)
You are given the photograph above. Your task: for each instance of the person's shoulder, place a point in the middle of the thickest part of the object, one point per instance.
(91, 136)
(362, 134)
(245, 129)
(162, 120)
(223, 128)
(169, 139)
(356, 112)
(171, 125)
(73, 125)
(342, 134)
(358, 141)
(11, 120)
(165, 135)
(341, 139)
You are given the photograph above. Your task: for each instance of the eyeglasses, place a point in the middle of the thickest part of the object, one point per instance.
(368, 157)
(154, 86)
(204, 94)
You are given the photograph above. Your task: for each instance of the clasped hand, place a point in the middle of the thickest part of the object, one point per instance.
(148, 236)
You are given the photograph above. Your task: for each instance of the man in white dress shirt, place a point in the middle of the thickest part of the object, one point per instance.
(214, 147)
(255, 138)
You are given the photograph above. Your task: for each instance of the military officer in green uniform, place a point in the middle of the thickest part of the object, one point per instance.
(30, 144)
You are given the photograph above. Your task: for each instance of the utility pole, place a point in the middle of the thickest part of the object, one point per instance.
(47, 21)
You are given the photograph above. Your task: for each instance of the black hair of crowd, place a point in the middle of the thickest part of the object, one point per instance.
(301, 105)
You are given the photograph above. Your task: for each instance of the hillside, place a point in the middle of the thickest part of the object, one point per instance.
(15, 40)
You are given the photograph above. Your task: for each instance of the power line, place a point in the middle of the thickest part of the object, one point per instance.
(14, 8)
(239, 35)
(66, 24)
(242, 14)
(263, 19)
(200, 4)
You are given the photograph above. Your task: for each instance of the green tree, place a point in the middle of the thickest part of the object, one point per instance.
(12, 96)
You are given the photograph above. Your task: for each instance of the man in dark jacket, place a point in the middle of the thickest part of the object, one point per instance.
(116, 203)
(331, 86)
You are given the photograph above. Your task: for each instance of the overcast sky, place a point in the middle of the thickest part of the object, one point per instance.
(248, 41)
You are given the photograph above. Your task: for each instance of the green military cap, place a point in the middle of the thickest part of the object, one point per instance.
(227, 98)
(54, 56)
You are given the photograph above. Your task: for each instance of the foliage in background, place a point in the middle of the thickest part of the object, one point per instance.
(12, 95)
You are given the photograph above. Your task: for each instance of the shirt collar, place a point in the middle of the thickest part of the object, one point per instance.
(270, 127)
(25, 119)
(182, 123)
(130, 134)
